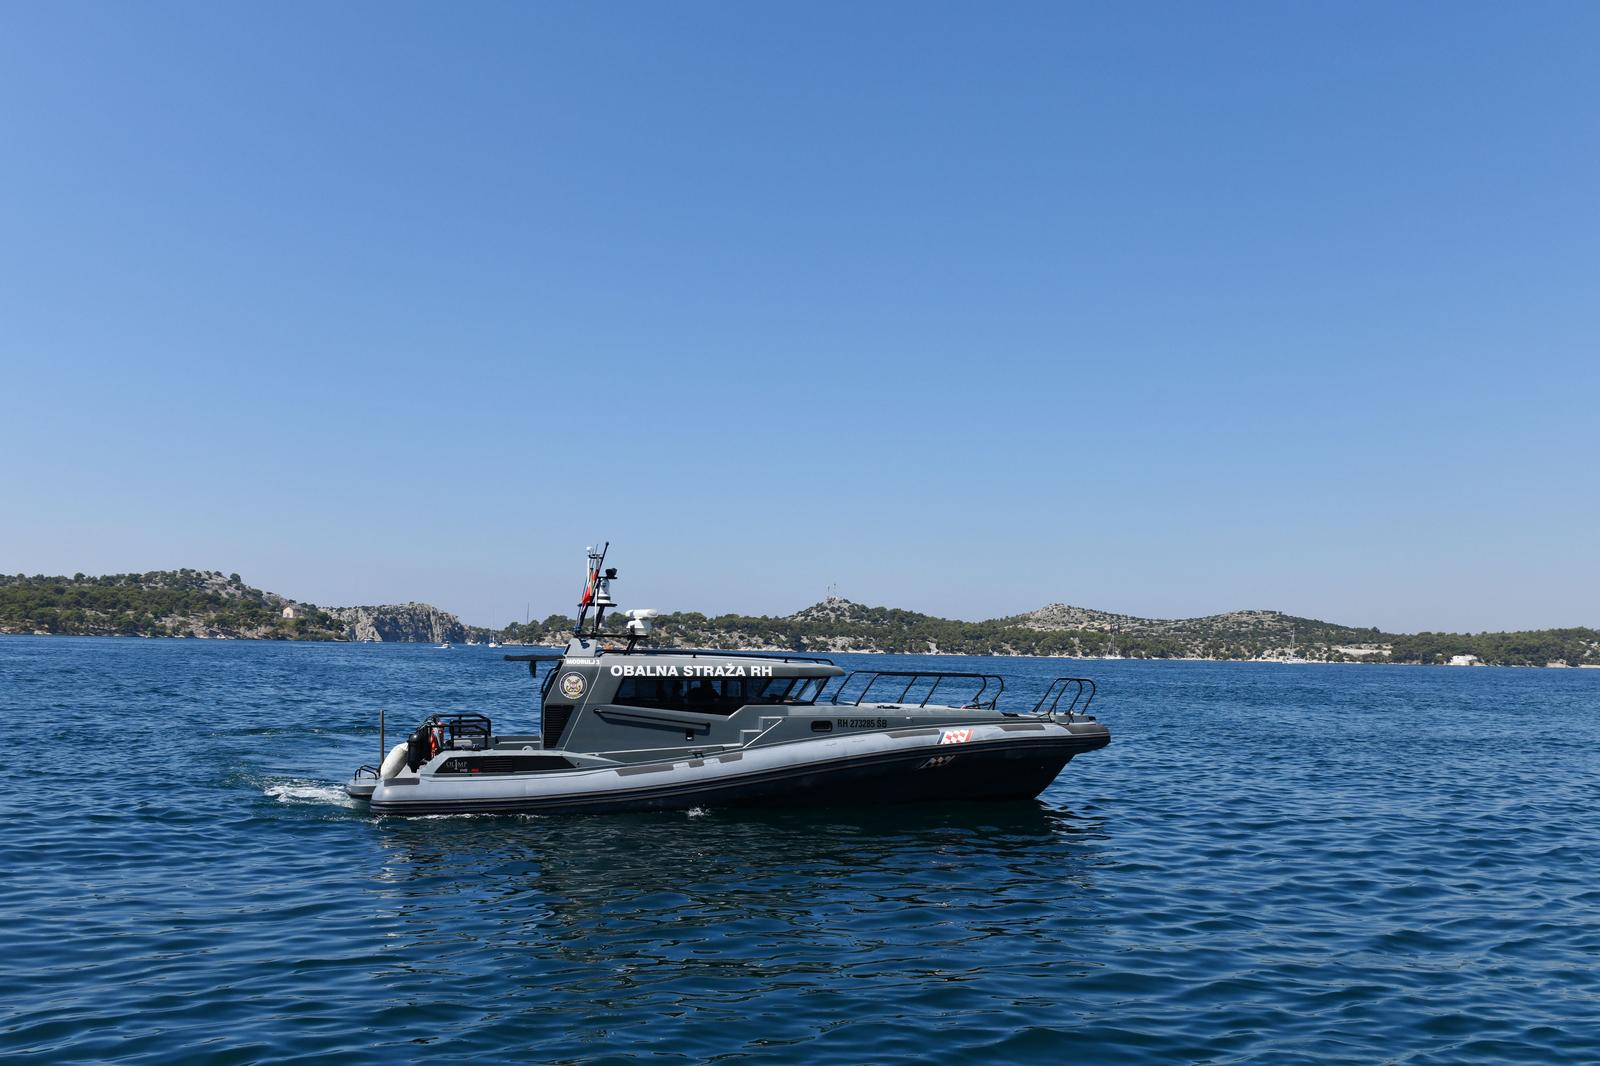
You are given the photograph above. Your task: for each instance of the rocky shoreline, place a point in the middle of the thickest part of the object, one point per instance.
(210, 605)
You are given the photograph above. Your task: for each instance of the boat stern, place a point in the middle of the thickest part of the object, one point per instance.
(362, 783)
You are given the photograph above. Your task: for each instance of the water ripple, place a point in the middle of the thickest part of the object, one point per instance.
(1284, 864)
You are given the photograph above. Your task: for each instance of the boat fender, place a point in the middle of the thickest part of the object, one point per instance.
(393, 761)
(416, 750)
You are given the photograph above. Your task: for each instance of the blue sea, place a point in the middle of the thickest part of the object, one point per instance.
(1270, 863)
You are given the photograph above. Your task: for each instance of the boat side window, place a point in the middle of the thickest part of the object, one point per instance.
(704, 695)
(772, 690)
(789, 690)
(715, 695)
(663, 692)
(805, 690)
(731, 695)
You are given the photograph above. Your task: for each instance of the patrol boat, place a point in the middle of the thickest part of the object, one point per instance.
(625, 727)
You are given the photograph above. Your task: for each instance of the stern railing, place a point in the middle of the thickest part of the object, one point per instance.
(475, 729)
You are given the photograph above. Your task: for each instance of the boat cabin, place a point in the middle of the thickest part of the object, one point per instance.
(696, 694)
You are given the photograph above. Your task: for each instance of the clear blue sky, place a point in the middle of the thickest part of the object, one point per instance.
(1158, 308)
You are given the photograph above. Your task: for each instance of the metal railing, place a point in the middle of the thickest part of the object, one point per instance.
(1080, 687)
(913, 678)
(713, 653)
(692, 653)
(476, 729)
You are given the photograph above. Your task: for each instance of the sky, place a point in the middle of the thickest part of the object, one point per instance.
(1158, 308)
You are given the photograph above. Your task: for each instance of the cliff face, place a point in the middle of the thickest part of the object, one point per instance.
(418, 622)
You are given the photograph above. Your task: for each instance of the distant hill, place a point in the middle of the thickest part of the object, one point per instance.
(205, 603)
(1263, 631)
(201, 603)
(840, 625)
(161, 603)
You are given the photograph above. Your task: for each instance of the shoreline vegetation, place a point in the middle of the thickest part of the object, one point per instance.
(209, 605)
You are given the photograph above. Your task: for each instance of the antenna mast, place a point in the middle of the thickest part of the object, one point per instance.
(597, 589)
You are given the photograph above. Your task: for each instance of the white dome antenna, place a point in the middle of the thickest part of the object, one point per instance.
(639, 624)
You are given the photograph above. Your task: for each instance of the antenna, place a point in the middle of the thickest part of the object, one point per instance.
(596, 589)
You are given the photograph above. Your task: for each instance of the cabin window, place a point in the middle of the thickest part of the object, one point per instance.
(787, 690)
(806, 690)
(772, 690)
(713, 695)
(707, 695)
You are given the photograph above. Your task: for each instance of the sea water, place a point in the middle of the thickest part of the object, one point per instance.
(1271, 863)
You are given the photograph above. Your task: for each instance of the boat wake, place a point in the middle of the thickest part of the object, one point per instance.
(314, 792)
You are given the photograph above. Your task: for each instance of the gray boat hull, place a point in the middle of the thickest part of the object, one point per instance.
(996, 764)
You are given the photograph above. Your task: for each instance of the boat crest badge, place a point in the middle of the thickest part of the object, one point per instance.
(572, 685)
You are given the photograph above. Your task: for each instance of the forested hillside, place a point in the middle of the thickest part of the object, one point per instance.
(161, 603)
(204, 603)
